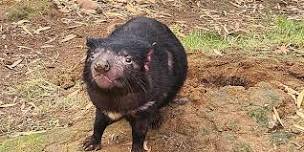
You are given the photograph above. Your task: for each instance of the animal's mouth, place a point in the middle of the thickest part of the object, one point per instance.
(103, 81)
(107, 79)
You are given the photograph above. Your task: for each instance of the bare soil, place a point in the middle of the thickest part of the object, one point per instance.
(231, 98)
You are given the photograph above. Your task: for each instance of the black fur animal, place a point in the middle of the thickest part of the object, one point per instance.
(131, 74)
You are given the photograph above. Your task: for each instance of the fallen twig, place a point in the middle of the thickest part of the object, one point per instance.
(21, 22)
(291, 92)
(300, 99)
(277, 116)
(299, 127)
(8, 105)
(26, 30)
(100, 21)
(25, 47)
(51, 39)
(80, 23)
(27, 133)
(68, 38)
(47, 46)
(12, 66)
(41, 29)
(74, 26)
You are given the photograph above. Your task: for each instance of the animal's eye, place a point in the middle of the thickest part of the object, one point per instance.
(92, 56)
(128, 60)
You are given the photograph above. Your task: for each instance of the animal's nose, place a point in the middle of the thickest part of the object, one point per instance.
(102, 66)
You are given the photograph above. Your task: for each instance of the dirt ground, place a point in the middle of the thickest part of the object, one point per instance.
(236, 100)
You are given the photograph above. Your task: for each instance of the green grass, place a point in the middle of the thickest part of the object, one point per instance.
(242, 147)
(260, 116)
(26, 9)
(30, 143)
(285, 32)
(205, 40)
(279, 138)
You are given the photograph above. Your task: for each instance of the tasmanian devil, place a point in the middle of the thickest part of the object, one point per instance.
(131, 74)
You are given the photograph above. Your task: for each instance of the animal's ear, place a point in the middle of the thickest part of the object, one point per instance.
(149, 58)
(93, 42)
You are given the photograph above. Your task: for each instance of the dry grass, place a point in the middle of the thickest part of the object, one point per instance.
(31, 143)
(242, 147)
(40, 103)
(27, 9)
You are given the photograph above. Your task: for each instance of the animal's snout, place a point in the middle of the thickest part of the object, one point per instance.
(102, 66)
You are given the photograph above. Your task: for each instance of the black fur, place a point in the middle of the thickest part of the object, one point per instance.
(160, 83)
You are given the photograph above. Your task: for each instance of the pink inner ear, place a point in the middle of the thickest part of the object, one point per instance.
(146, 68)
(148, 60)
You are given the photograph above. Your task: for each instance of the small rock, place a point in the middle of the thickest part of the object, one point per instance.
(297, 70)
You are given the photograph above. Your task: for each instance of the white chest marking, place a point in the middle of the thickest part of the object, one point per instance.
(113, 115)
(116, 115)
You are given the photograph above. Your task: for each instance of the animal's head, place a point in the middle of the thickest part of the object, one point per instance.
(118, 64)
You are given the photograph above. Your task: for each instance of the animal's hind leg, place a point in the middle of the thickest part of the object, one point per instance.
(156, 120)
(140, 125)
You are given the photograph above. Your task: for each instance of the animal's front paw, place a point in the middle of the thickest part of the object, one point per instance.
(137, 150)
(91, 143)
